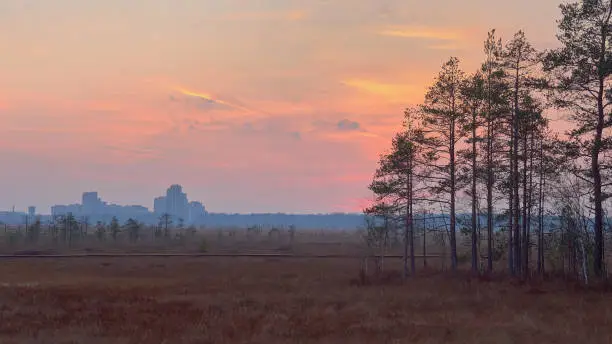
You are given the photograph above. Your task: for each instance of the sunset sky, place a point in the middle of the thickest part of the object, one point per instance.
(253, 106)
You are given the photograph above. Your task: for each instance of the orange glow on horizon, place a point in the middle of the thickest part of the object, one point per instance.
(206, 92)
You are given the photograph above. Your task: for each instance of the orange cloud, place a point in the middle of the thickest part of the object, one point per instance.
(422, 33)
(391, 92)
(210, 98)
(348, 136)
(444, 47)
(295, 15)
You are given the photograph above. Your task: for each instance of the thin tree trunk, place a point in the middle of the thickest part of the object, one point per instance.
(453, 237)
(406, 238)
(515, 174)
(597, 193)
(530, 200)
(596, 173)
(511, 249)
(585, 273)
(411, 216)
(474, 199)
(489, 198)
(541, 212)
(524, 245)
(489, 178)
(424, 242)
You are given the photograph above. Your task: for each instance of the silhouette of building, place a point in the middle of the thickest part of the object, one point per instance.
(196, 211)
(159, 205)
(74, 209)
(176, 202)
(125, 211)
(94, 209)
(31, 211)
(91, 204)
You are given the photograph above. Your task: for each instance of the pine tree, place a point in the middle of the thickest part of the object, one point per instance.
(519, 58)
(115, 228)
(398, 182)
(580, 82)
(445, 122)
(472, 99)
(495, 108)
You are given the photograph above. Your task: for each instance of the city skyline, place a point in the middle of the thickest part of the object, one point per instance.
(301, 96)
(34, 209)
(176, 208)
(92, 204)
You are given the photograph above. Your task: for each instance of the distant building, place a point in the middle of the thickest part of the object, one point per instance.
(32, 211)
(159, 205)
(176, 202)
(11, 217)
(91, 204)
(125, 211)
(74, 209)
(196, 211)
(136, 210)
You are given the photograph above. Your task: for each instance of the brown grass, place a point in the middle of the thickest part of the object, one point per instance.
(237, 300)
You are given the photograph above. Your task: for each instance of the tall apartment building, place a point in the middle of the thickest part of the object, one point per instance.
(91, 204)
(176, 202)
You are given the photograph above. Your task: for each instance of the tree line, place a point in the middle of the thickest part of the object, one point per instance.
(69, 229)
(483, 142)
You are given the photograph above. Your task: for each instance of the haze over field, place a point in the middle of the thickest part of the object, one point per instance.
(253, 106)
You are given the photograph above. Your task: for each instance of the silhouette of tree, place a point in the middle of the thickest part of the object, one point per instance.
(579, 81)
(115, 228)
(445, 122)
(133, 229)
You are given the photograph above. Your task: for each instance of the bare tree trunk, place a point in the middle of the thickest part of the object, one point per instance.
(453, 236)
(406, 235)
(474, 199)
(585, 273)
(515, 174)
(541, 212)
(511, 249)
(383, 245)
(596, 173)
(530, 199)
(524, 244)
(489, 193)
(411, 217)
(424, 242)
(412, 257)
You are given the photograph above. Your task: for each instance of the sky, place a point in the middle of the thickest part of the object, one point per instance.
(252, 106)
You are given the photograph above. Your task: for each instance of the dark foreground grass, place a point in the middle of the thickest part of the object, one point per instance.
(236, 300)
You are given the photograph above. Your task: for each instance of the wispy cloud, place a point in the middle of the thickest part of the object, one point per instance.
(348, 125)
(421, 32)
(128, 151)
(211, 99)
(391, 92)
(343, 130)
(444, 46)
(295, 15)
(350, 135)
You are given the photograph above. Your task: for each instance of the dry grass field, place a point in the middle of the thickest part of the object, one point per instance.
(265, 300)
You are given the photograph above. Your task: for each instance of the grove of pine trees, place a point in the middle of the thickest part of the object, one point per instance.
(489, 143)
